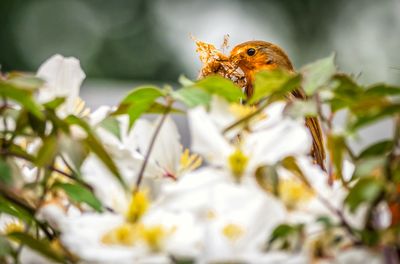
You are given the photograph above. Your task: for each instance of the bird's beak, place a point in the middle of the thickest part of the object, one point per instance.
(235, 59)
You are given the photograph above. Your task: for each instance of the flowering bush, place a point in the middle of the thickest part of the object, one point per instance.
(111, 186)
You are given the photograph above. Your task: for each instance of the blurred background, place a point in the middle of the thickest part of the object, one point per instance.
(128, 42)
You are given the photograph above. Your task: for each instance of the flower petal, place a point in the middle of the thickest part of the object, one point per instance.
(63, 77)
(288, 138)
(206, 138)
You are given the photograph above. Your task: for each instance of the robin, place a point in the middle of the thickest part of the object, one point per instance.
(254, 56)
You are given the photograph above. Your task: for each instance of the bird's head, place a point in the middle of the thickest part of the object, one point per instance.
(253, 56)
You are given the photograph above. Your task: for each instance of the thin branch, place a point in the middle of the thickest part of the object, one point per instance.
(69, 176)
(51, 167)
(343, 222)
(13, 197)
(249, 116)
(152, 142)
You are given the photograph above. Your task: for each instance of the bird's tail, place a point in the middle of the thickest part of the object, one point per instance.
(318, 150)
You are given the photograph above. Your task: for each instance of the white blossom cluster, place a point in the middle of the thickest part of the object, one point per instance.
(204, 204)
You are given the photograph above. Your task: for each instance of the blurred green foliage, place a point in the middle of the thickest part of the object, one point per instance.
(127, 39)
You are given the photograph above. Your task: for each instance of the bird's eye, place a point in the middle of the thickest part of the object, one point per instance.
(251, 52)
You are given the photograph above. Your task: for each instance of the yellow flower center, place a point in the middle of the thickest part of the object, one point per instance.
(153, 236)
(237, 163)
(232, 232)
(240, 110)
(13, 226)
(293, 192)
(210, 215)
(189, 162)
(137, 206)
(126, 234)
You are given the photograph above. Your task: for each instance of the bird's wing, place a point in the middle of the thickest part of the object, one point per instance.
(318, 149)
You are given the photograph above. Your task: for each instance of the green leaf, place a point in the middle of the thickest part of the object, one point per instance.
(382, 90)
(41, 246)
(75, 151)
(370, 118)
(270, 82)
(5, 173)
(336, 147)
(287, 235)
(80, 194)
(20, 152)
(23, 97)
(317, 74)
(291, 165)
(55, 103)
(297, 109)
(192, 96)
(111, 124)
(380, 148)
(282, 230)
(138, 102)
(184, 81)
(326, 221)
(268, 179)
(27, 82)
(370, 237)
(346, 86)
(47, 152)
(369, 166)
(37, 125)
(346, 92)
(11, 208)
(182, 260)
(221, 86)
(366, 190)
(157, 108)
(94, 145)
(5, 247)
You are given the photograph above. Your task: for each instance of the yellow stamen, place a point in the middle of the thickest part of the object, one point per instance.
(293, 192)
(211, 215)
(79, 108)
(125, 234)
(240, 110)
(137, 207)
(13, 226)
(238, 162)
(153, 236)
(189, 162)
(232, 231)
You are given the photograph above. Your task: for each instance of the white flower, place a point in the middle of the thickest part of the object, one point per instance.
(235, 219)
(63, 78)
(358, 256)
(224, 114)
(167, 158)
(247, 151)
(110, 192)
(28, 256)
(83, 236)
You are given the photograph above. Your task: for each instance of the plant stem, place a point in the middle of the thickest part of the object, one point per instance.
(51, 167)
(249, 116)
(152, 142)
(343, 221)
(12, 196)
